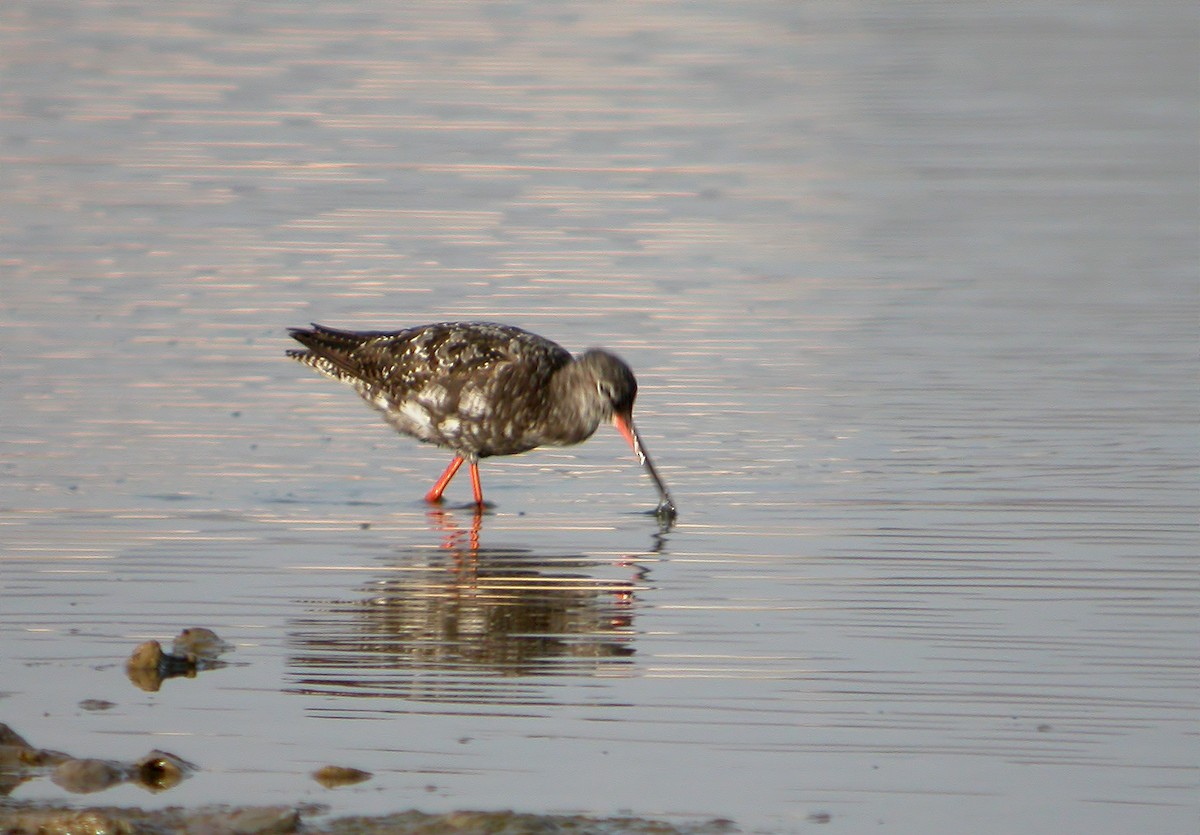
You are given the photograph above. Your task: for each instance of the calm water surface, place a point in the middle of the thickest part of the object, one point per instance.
(911, 292)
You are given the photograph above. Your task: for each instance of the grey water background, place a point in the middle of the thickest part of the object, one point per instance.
(911, 291)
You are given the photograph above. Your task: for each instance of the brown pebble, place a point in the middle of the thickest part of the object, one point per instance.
(144, 667)
(146, 656)
(149, 666)
(160, 770)
(332, 776)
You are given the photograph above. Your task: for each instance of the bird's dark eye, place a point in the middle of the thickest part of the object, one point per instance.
(606, 390)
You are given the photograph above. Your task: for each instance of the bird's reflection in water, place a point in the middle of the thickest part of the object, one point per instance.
(458, 622)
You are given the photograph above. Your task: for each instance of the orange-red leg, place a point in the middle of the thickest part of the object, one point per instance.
(475, 485)
(435, 493)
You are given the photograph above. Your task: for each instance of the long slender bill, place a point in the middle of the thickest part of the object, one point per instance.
(666, 507)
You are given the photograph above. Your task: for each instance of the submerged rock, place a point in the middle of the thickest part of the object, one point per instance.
(194, 649)
(198, 643)
(20, 761)
(332, 776)
(161, 770)
(149, 666)
(87, 776)
(97, 704)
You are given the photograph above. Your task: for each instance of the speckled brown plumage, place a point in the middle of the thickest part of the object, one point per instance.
(480, 389)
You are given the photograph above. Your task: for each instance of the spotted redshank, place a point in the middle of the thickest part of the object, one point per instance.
(481, 389)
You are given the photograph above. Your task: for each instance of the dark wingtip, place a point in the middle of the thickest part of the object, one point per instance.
(329, 350)
(301, 335)
(315, 335)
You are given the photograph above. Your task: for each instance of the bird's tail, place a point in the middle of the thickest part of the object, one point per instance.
(329, 350)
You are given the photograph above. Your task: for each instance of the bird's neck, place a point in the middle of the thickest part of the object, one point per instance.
(574, 407)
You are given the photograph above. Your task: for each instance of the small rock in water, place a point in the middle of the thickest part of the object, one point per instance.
(160, 770)
(332, 776)
(146, 656)
(19, 761)
(198, 643)
(87, 776)
(17, 755)
(97, 704)
(148, 666)
(194, 649)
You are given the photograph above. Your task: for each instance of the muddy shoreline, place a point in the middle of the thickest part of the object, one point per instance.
(42, 819)
(160, 770)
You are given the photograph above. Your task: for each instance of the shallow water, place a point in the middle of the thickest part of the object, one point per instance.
(911, 294)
